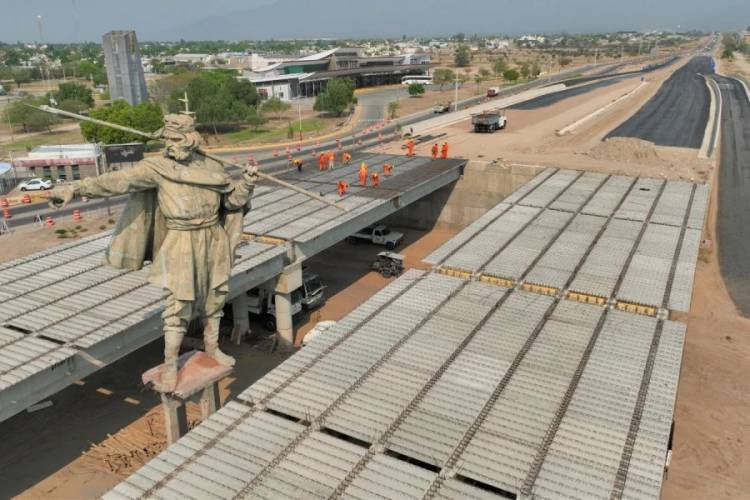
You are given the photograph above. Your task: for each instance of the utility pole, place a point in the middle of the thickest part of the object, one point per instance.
(299, 115)
(455, 81)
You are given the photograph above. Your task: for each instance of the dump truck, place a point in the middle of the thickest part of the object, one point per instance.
(489, 121)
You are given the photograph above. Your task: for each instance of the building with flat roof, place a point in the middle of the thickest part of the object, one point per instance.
(307, 76)
(60, 162)
(124, 70)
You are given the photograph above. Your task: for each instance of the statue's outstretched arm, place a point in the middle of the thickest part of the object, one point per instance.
(241, 190)
(138, 178)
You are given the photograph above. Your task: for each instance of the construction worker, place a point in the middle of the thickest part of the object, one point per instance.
(331, 158)
(444, 150)
(342, 187)
(298, 163)
(322, 161)
(346, 157)
(363, 174)
(387, 169)
(434, 151)
(375, 177)
(410, 147)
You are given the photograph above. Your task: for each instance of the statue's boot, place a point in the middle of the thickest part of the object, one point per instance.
(211, 342)
(173, 336)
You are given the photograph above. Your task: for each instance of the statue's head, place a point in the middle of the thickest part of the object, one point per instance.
(180, 135)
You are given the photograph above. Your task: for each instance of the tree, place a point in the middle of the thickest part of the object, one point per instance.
(484, 73)
(146, 117)
(275, 105)
(93, 71)
(21, 76)
(459, 37)
(32, 120)
(337, 97)
(392, 109)
(255, 119)
(727, 53)
(536, 70)
(416, 89)
(462, 57)
(511, 75)
(564, 61)
(442, 76)
(499, 66)
(525, 71)
(72, 91)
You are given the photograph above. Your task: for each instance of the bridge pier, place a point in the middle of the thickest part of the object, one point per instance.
(289, 280)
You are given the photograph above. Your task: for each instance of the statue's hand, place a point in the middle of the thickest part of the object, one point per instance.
(250, 174)
(61, 197)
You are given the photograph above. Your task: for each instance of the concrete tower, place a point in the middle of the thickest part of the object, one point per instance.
(124, 71)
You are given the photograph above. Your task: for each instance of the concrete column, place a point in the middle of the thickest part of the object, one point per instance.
(240, 317)
(284, 326)
(289, 280)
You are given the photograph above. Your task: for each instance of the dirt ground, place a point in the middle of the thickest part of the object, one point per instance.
(31, 239)
(110, 417)
(712, 435)
(531, 138)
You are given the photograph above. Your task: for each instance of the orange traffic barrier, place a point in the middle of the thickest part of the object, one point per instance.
(49, 221)
(77, 214)
(26, 198)
(6, 213)
(4, 202)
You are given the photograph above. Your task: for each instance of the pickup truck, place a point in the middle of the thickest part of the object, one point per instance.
(378, 235)
(489, 121)
(439, 109)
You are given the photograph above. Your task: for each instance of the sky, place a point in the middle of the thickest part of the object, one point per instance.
(164, 20)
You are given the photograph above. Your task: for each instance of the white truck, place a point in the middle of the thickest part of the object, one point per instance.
(262, 299)
(378, 235)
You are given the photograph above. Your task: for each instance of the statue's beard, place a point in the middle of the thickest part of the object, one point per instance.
(183, 148)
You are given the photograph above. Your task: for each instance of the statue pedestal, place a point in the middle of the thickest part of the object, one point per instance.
(198, 379)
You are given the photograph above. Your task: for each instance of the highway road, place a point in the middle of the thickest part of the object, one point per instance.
(550, 99)
(733, 230)
(677, 115)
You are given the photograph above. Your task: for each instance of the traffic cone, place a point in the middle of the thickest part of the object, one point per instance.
(49, 221)
(4, 202)
(26, 198)
(6, 213)
(77, 214)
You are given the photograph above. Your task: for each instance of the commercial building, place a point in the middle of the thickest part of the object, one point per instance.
(307, 76)
(124, 71)
(61, 162)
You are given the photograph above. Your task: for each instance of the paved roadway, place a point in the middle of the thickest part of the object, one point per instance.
(677, 115)
(550, 99)
(733, 230)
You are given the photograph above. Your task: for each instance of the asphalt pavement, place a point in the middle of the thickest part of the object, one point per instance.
(550, 99)
(677, 115)
(732, 228)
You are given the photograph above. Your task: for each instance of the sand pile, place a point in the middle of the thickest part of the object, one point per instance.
(625, 149)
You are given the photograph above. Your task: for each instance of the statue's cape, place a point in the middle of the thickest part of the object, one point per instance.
(141, 228)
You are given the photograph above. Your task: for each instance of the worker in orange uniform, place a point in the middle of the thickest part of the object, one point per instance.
(331, 158)
(346, 158)
(322, 161)
(363, 174)
(387, 169)
(342, 186)
(375, 177)
(410, 147)
(444, 151)
(298, 163)
(434, 151)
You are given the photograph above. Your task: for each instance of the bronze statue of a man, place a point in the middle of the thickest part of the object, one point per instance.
(185, 215)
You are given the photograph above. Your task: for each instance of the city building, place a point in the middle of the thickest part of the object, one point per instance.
(307, 76)
(61, 162)
(124, 70)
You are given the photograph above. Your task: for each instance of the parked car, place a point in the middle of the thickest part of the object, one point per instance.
(35, 184)
(389, 264)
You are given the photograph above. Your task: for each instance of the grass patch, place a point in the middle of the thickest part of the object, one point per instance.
(273, 134)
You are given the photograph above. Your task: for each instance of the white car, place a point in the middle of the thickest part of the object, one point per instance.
(35, 185)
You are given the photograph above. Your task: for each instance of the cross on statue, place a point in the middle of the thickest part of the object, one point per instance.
(187, 105)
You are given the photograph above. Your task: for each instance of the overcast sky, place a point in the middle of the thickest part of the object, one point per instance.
(82, 20)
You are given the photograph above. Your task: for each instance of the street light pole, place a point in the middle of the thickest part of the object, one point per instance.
(455, 106)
